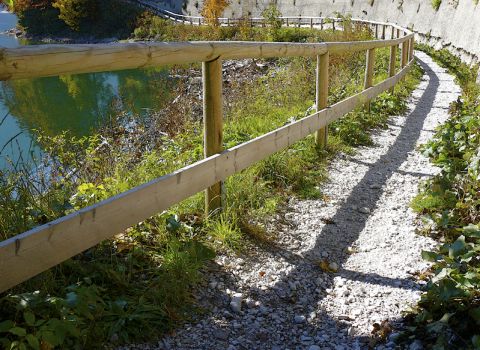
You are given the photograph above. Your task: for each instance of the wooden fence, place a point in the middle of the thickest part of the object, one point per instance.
(30, 253)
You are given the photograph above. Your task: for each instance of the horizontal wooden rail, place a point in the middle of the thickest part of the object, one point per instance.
(52, 60)
(30, 253)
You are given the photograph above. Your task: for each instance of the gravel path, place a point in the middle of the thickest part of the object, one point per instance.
(277, 296)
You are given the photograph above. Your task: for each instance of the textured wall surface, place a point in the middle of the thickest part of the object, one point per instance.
(456, 25)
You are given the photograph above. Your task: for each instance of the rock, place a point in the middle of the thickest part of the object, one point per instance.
(299, 319)
(314, 347)
(416, 345)
(356, 312)
(364, 210)
(236, 302)
(333, 266)
(305, 338)
(220, 334)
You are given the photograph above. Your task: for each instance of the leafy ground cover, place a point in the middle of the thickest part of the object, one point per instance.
(448, 315)
(139, 284)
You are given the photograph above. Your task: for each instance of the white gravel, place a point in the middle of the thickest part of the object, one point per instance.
(277, 297)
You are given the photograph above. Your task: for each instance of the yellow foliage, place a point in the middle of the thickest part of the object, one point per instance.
(212, 10)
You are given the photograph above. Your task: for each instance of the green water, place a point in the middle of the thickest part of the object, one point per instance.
(79, 104)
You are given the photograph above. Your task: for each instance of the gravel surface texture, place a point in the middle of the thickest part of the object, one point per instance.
(278, 297)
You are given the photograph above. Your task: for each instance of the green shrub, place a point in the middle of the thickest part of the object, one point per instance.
(448, 314)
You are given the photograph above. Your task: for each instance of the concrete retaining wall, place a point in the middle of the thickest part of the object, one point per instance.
(456, 25)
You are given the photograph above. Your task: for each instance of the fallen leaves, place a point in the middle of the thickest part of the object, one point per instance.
(380, 332)
(328, 266)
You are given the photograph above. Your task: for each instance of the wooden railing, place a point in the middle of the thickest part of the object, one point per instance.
(28, 254)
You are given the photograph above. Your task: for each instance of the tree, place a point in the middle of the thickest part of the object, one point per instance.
(272, 15)
(73, 12)
(212, 10)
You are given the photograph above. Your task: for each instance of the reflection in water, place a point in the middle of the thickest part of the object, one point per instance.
(80, 103)
(75, 103)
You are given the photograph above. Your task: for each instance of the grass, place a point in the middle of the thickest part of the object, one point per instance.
(142, 279)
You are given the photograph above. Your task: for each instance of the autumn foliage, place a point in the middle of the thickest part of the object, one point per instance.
(212, 10)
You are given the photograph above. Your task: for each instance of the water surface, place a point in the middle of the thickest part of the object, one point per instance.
(77, 104)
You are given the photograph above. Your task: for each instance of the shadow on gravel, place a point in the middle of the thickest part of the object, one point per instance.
(378, 173)
(403, 172)
(281, 331)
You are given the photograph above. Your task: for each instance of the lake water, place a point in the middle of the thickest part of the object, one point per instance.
(75, 103)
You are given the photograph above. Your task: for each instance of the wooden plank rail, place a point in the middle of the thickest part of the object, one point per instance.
(30, 253)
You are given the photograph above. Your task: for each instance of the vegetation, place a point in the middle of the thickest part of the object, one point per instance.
(436, 4)
(142, 278)
(272, 15)
(77, 18)
(73, 12)
(212, 10)
(448, 315)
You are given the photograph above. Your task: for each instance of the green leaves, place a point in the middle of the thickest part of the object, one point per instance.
(29, 318)
(472, 231)
(457, 248)
(431, 256)
(475, 314)
(449, 310)
(21, 332)
(5, 326)
(33, 341)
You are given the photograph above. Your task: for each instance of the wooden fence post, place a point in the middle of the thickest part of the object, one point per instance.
(404, 53)
(321, 136)
(321, 23)
(376, 31)
(311, 23)
(383, 31)
(411, 47)
(369, 73)
(392, 63)
(333, 24)
(213, 124)
(393, 33)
